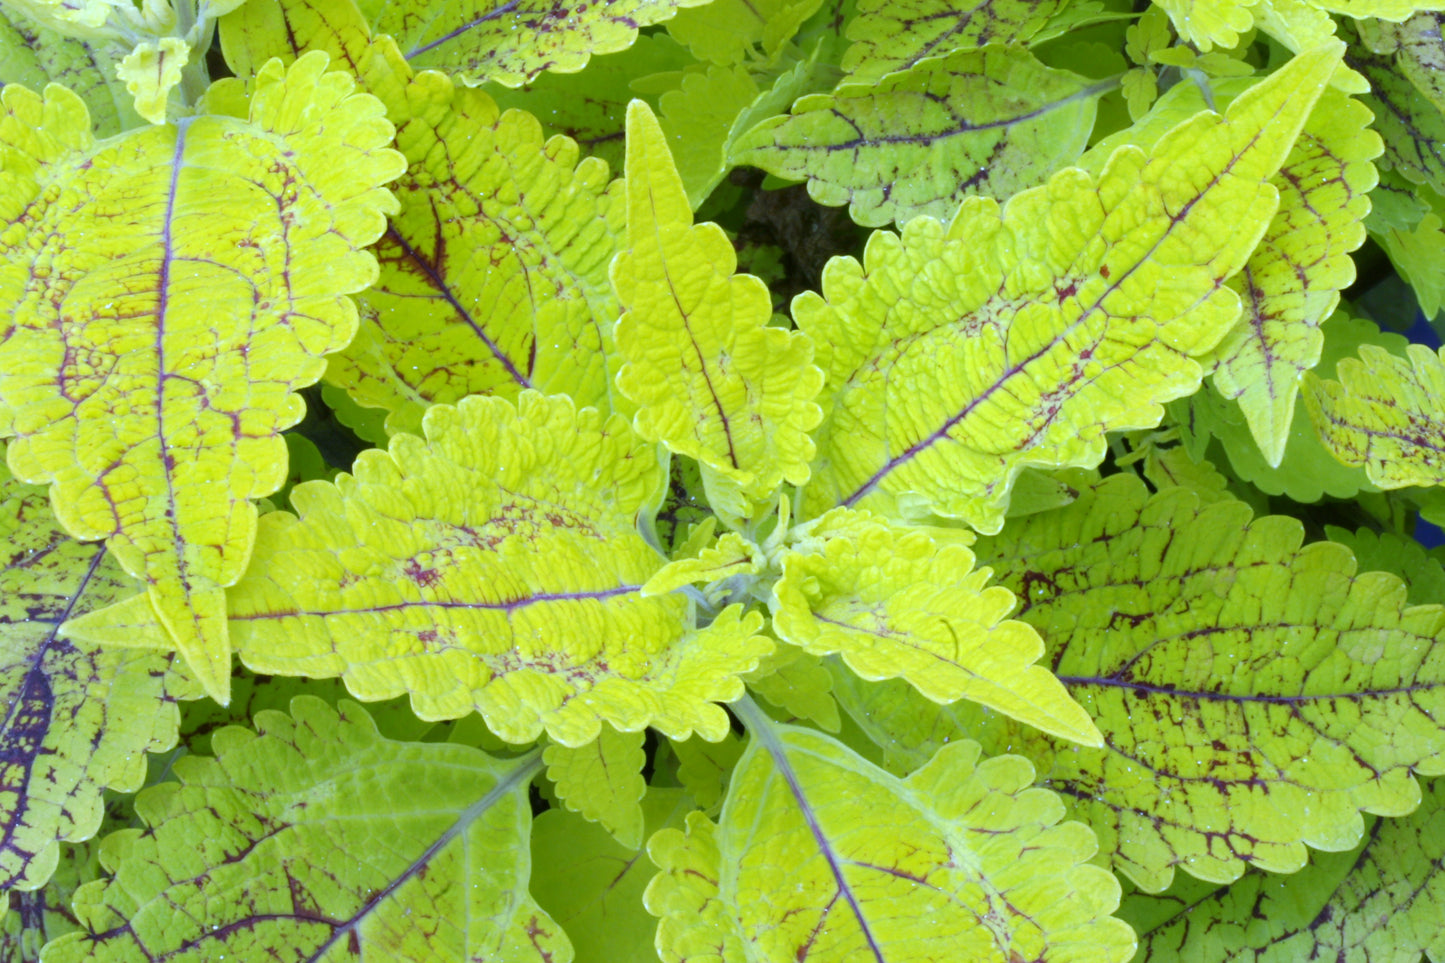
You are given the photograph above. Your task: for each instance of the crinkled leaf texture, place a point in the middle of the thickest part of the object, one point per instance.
(1022, 334)
(309, 838)
(603, 781)
(989, 122)
(78, 719)
(711, 378)
(494, 275)
(897, 604)
(1254, 695)
(511, 42)
(1385, 414)
(1380, 903)
(161, 295)
(494, 566)
(819, 855)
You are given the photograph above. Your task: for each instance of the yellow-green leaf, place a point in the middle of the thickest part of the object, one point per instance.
(511, 42)
(78, 719)
(1023, 334)
(730, 555)
(155, 324)
(818, 854)
(897, 605)
(990, 121)
(1255, 694)
(1210, 23)
(495, 566)
(893, 35)
(703, 767)
(797, 683)
(255, 32)
(602, 781)
(151, 71)
(494, 275)
(1291, 282)
(711, 378)
(1385, 413)
(34, 55)
(313, 837)
(725, 31)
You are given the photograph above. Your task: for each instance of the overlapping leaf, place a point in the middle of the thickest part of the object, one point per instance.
(1254, 695)
(1385, 413)
(33, 55)
(494, 275)
(255, 32)
(893, 35)
(38, 916)
(592, 885)
(158, 316)
(309, 837)
(711, 378)
(494, 566)
(512, 42)
(990, 121)
(1023, 334)
(78, 719)
(896, 604)
(1291, 282)
(1379, 903)
(1412, 125)
(602, 781)
(1210, 23)
(819, 855)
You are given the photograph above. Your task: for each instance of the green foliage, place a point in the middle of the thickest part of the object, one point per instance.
(1057, 536)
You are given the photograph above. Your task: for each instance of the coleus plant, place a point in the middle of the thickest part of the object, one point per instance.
(959, 607)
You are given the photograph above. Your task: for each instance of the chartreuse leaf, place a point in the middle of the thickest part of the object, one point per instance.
(308, 838)
(78, 719)
(704, 768)
(820, 855)
(1396, 10)
(151, 71)
(603, 781)
(253, 33)
(496, 566)
(893, 35)
(1384, 413)
(494, 275)
(1254, 695)
(1379, 903)
(512, 42)
(1291, 282)
(1022, 334)
(1210, 23)
(989, 121)
(147, 372)
(798, 684)
(592, 885)
(1388, 552)
(896, 604)
(33, 55)
(1418, 48)
(711, 378)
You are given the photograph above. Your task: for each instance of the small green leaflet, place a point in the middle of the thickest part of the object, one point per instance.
(79, 719)
(1411, 122)
(511, 42)
(1379, 903)
(1384, 413)
(307, 837)
(990, 121)
(819, 855)
(603, 781)
(951, 366)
